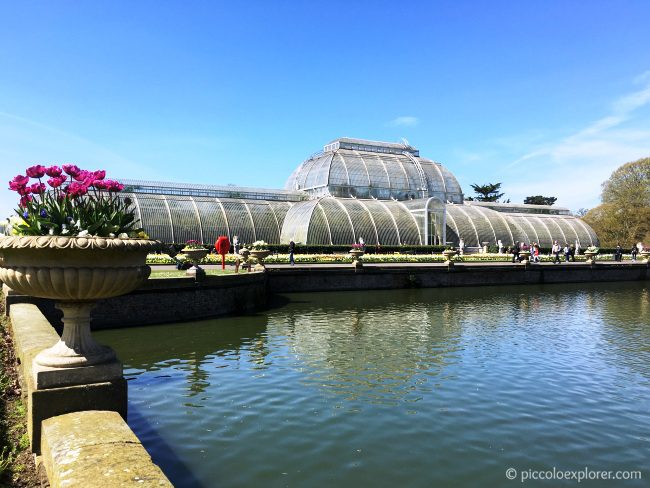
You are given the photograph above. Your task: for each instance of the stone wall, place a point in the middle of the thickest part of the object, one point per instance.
(76, 447)
(299, 279)
(168, 300)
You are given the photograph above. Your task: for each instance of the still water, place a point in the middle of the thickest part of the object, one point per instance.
(398, 388)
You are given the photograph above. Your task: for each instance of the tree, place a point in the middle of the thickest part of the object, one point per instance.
(624, 216)
(540, 200)
(488, 192)
(581, 212)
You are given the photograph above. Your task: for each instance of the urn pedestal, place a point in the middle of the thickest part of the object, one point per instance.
(449, 255)
(591, 257)
(195, 255)
(356, 257)
(260, 256)
(75, 272)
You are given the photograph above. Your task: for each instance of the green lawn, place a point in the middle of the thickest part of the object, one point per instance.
(181, 273)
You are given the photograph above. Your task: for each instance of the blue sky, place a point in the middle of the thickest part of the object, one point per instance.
(547, 98)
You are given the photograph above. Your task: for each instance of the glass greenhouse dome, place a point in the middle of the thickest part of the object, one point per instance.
(382, 192)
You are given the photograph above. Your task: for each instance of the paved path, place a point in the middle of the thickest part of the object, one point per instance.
(169, 267)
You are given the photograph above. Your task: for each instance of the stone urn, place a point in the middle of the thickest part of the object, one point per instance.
(591, 257)
(195, 255)
(75, 272)
(449, 254)
(260, 255)
(356, 257)
(524, 257)
(645, 256)
(244, 254)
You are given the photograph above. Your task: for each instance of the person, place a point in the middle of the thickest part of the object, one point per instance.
(515, 252)
(567, 252)
(500, 244)
(235, 244)
(556, 249)
(461, 246)
(535, 252)
(362, 243)
(634, 252)
(618, 253)
(572, 253)
(292, 248)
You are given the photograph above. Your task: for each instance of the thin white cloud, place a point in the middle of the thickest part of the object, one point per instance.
(573, 167)
(404, 121)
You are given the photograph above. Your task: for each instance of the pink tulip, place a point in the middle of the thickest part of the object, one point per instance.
(53, 171)
(57, 181)
(37, 188)
(36, 171)
(18, 180)
(25, 199)
(71, 169)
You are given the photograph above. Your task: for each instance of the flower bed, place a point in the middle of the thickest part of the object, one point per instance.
(368, 258)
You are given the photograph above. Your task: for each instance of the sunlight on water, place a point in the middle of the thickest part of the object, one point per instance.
(397, 388)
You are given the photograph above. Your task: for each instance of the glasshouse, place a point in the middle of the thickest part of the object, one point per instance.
(383, 193)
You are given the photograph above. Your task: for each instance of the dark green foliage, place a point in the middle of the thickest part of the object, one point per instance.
(540, 200)
(488, 192)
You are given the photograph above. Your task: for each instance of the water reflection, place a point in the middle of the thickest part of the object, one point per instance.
(440, 387)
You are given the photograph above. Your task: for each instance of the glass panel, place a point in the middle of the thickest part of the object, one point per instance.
(339, 222)
(388, 235)
(155, 219)
(238, 220)
(212, 219)
(318, 230)
(266, 227)
(363, 226)
(184, 220)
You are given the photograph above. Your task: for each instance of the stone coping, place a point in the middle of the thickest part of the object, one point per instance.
(96, 448)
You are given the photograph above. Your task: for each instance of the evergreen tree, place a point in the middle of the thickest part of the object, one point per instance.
(488, 192)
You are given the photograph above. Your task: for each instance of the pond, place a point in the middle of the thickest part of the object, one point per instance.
(398, 388)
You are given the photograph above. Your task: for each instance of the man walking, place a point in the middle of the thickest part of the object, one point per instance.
(292, 248)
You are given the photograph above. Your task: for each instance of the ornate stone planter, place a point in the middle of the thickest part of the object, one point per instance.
(524, 257)
(356, 257)
(74, 271)
(195, 255)
(449, 254)
(260, 255)
(645, 256)
(591, 257)
(244, 254)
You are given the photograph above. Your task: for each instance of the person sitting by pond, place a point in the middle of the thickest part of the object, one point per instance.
(572, 253)
(634, 252)
(618, 253)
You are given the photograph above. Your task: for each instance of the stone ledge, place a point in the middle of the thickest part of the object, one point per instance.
(31, 334)
(96, 448)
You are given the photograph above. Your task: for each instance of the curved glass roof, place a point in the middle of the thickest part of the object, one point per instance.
(330, 220)
(479, 224)
(171, 218)
(368, 169)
